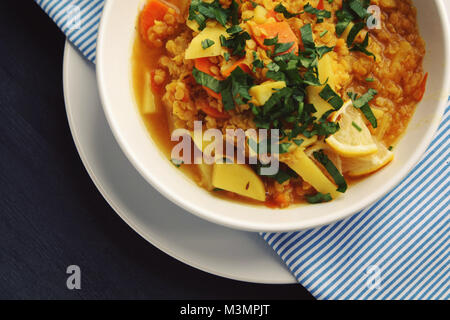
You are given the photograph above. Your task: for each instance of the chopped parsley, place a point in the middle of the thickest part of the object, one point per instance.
(284, 147)
(206, 80)
(282, 9)
(320, 14)
(362, 47)
(271, 42)
(307, 36)
(338, 178)
(287, 107)
(177, 162)
(319, 198)
(257, 63)
(360, 8)
(207, 43)
(356, 126)
(364, 99)
(201, 11)
(284, 173)
(354, 11)
(234, 89)
(237, 40)
(362, 103)
(354, 32)
(331, 97)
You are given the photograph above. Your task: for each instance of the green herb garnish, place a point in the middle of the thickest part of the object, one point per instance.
(319, 198)
(352, 11)
(362, 47)
(354, 32)
(177, 162)
(331, 97)
(281, 176)
(234, 89)
(236, 42)
(282, 9)
(356, 126)
(201, 11)
(338, 178)
(323, 33)
(206, 80)
(362, 103)
(207, 43)
(320, 14)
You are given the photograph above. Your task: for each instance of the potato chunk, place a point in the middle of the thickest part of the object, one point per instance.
(260, 15)
(148, 99)
(195, 49)
(240, 179)
(309, 171)
(325, 67)
(261, 93)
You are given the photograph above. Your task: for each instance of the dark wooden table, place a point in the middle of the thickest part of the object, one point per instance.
(51, 214)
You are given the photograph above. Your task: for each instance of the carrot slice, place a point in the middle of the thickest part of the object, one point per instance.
(212, 112)
(213, 94)
(154, 10)
(240, 63)
(204, 65)
(320, 6)
(272, 14)
(156, 88)
(421, 91)
(281, 201)
(271, 30)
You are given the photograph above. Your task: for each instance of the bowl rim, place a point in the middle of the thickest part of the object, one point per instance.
(209, 215)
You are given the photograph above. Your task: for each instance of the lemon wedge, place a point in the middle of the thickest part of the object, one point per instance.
(356, 167)
(353, 138)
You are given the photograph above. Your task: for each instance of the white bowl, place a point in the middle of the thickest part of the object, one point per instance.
(114, 48)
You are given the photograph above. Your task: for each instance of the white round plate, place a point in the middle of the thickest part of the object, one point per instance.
(218, 250)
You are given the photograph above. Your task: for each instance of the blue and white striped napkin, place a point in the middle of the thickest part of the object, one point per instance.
(79, 20)
(399, 248)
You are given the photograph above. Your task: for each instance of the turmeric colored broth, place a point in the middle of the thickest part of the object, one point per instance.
(144, 59)
(398, 78)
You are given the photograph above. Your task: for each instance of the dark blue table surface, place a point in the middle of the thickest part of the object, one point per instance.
(51, 214)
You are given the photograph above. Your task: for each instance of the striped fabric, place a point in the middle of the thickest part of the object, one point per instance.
(78, 19)
(397, 249)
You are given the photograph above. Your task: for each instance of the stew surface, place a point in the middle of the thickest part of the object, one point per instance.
(340, 80)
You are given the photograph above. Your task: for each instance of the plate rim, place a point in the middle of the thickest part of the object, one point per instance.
(68, 49)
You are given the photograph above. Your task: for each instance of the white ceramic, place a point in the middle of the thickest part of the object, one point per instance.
(206, 246)
(116, 36)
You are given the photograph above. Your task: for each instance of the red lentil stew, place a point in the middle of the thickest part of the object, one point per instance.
(339, 79)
